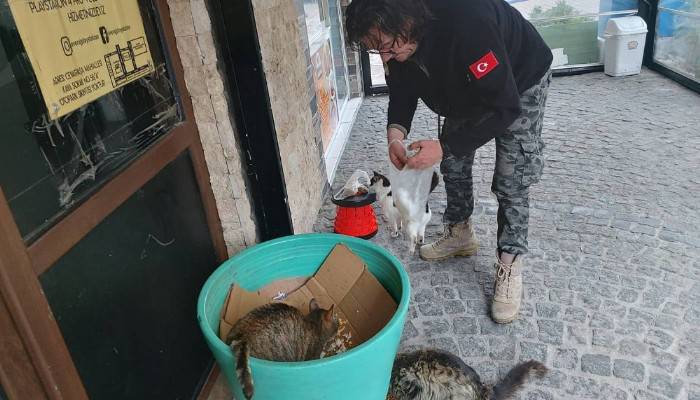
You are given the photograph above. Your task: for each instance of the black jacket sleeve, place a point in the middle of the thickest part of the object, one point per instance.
(402, 99)
(480, 41)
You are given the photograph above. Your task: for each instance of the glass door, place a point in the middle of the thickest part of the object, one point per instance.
(677, 37)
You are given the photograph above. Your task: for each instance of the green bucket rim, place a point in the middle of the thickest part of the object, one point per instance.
(401, 309)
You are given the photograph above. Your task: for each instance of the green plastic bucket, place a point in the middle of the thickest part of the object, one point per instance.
(360, 373)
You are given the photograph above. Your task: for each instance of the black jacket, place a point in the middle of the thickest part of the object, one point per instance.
(454, 73)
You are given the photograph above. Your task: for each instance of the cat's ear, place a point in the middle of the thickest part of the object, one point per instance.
(385, 181)
(328, 315)
(313, 305)
(375, 173)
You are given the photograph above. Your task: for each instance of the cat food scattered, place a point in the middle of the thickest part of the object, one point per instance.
(341, 342)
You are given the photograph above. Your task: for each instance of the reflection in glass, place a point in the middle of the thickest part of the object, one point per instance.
(677, 41)
(613, 9)
(338, 48)
(573, 40)
(49, 166)
(573, 29)
(315, 21)
(377, 70)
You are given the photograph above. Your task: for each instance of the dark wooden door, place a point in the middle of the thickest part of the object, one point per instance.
(108, 230)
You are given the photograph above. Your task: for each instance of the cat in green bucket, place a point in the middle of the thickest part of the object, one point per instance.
(280, 332)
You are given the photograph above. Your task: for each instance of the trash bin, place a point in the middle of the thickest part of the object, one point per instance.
(624, 45)
(363, 372)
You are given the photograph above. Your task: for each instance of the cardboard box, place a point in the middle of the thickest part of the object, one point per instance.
(343, 279)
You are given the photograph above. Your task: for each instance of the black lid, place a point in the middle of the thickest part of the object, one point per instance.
(358, 200)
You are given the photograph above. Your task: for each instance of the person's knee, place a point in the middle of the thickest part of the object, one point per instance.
(509, 189)
(513, 198)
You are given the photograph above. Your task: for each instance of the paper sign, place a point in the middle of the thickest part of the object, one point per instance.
(82, 49)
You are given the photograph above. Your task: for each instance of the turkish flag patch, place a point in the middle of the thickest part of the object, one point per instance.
(484, 65)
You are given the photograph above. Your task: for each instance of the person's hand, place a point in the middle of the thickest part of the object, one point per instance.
(397, 154)
(429, 153)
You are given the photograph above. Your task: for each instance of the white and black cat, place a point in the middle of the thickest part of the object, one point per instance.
(413, 218)
(382, 187)
(439, 375)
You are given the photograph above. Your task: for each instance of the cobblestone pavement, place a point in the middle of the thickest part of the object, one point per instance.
(612, 282)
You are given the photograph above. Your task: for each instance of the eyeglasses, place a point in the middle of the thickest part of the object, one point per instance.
(385, 49)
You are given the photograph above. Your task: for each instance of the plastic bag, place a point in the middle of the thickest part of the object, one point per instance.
(358, 183)
(410, 189)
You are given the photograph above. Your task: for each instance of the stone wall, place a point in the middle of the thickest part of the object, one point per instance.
(286, 64)
(205, 84)
(283, 46)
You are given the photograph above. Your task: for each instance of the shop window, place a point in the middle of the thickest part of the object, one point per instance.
(677, 37)
(338, 48)
(324, 59)
(316, 14)
(50, 165)
(574, 30)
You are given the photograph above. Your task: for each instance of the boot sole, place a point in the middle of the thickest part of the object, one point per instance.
(461, 253)
(505, 321)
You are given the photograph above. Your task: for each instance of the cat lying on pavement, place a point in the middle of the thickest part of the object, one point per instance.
(439, 375)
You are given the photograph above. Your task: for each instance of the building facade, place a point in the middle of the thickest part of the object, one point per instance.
(174, 140)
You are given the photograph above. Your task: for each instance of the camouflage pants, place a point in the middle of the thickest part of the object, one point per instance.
(519, 164)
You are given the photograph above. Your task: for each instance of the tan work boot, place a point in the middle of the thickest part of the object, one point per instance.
(456, 240)
(507, 291)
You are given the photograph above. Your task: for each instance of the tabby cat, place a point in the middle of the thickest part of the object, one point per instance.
(439, 375)
(279, 332)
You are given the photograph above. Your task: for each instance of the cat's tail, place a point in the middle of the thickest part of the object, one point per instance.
(241, 354)
(515, 378)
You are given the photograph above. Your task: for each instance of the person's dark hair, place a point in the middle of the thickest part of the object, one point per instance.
(405, 19)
